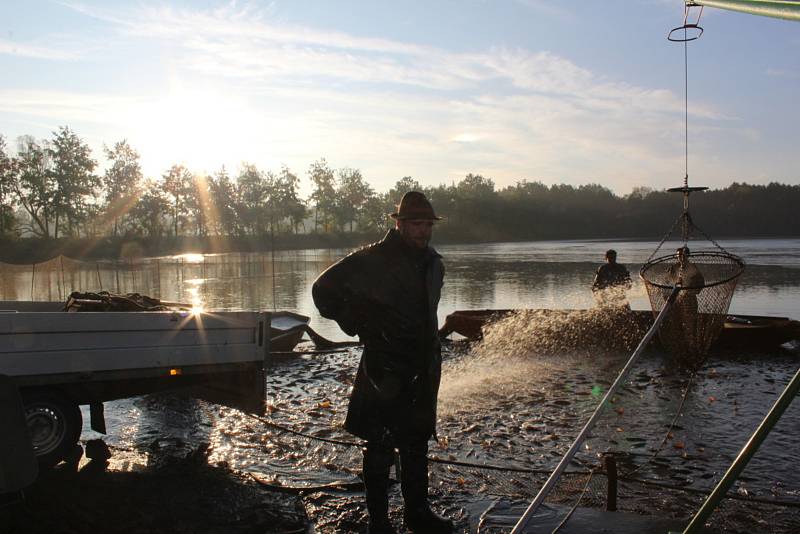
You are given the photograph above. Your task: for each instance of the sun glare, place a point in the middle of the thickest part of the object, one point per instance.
(190, 257)
(200, 128)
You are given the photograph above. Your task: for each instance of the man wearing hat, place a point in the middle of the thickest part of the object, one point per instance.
(387, 293)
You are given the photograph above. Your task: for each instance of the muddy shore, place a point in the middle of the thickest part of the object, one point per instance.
(179, 495)
(185, 466)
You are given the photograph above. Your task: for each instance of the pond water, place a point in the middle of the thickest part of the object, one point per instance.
(504, 403)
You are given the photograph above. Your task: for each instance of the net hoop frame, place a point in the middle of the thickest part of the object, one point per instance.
(692, 255)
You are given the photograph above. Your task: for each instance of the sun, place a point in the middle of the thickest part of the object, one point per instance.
(202, 128)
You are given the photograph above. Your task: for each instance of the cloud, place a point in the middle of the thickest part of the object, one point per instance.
(783, 73)
(391, 108)
(547, 7)
(66, 106)
(36, 51)
(247, 45)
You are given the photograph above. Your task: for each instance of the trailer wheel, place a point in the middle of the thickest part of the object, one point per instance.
(54, 424)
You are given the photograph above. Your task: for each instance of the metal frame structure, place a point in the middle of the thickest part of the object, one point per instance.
(781, 9)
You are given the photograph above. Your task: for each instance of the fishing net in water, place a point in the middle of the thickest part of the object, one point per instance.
(706, 279)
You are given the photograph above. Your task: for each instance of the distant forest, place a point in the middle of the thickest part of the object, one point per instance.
(50, 192)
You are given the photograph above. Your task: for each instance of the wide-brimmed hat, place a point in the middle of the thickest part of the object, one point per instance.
(414, 205)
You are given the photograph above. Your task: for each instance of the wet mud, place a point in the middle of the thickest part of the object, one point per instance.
(508, 410)
(179, 493)
(506, 406)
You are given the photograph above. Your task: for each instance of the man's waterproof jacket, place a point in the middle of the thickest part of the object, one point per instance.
(388, 293)
(611, 275)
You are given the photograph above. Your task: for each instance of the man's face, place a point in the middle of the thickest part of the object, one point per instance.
(415, 232)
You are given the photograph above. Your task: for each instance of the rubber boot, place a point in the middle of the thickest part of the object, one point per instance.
(417, 513)
(377, 461)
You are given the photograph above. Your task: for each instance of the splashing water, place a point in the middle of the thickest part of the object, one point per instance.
(532, 344)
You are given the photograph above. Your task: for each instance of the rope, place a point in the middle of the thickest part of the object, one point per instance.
(660, 447)
(309, 436)
(686, 110)
(664, 239)
(432, 459)
(687, 489)
(626, 477)
(710, 239)
(575, 506)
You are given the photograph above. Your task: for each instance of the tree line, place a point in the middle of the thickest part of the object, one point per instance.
(51, 189)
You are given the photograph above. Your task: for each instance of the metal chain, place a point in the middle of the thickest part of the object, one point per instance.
(664, 239)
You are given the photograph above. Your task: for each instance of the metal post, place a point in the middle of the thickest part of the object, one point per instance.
(562, 465)
(133, 276)
(63, 281)
(766, 8)
(747, 452)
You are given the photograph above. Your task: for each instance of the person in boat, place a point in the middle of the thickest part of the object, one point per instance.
(685, 274)
(388, 293)
(610, 283)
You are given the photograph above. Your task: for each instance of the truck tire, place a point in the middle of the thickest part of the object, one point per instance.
(54, 424)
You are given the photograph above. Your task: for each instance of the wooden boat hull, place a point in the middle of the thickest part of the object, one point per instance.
(746, 331)
(286, 330)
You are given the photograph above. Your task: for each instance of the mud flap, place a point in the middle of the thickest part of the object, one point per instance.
(18, 465)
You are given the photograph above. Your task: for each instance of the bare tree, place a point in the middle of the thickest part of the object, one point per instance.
(223, 196)
(177, 184)
(287, 198)
(324, 194)
(76, 187)
(34, 188)
(351, 196)
(253, 192)
(7, 180)
(122, 182)
(149, 213)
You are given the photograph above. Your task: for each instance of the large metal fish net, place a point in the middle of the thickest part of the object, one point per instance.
(707, 280)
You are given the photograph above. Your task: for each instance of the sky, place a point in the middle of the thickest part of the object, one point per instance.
(562, 92)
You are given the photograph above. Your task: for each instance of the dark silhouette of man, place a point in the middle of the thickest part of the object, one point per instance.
(611, 281)
(387, 293)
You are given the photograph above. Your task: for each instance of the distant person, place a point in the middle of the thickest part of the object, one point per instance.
(685, 274)
(388, 293)
(611, 282)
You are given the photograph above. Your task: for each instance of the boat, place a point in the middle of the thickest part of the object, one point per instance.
(746, 331)
(286, 330)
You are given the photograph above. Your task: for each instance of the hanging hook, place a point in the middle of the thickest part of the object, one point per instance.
(691, 30)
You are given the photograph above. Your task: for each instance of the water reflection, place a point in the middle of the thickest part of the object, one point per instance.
(555, 274)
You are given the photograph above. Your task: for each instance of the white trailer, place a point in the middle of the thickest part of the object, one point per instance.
(60, 361)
